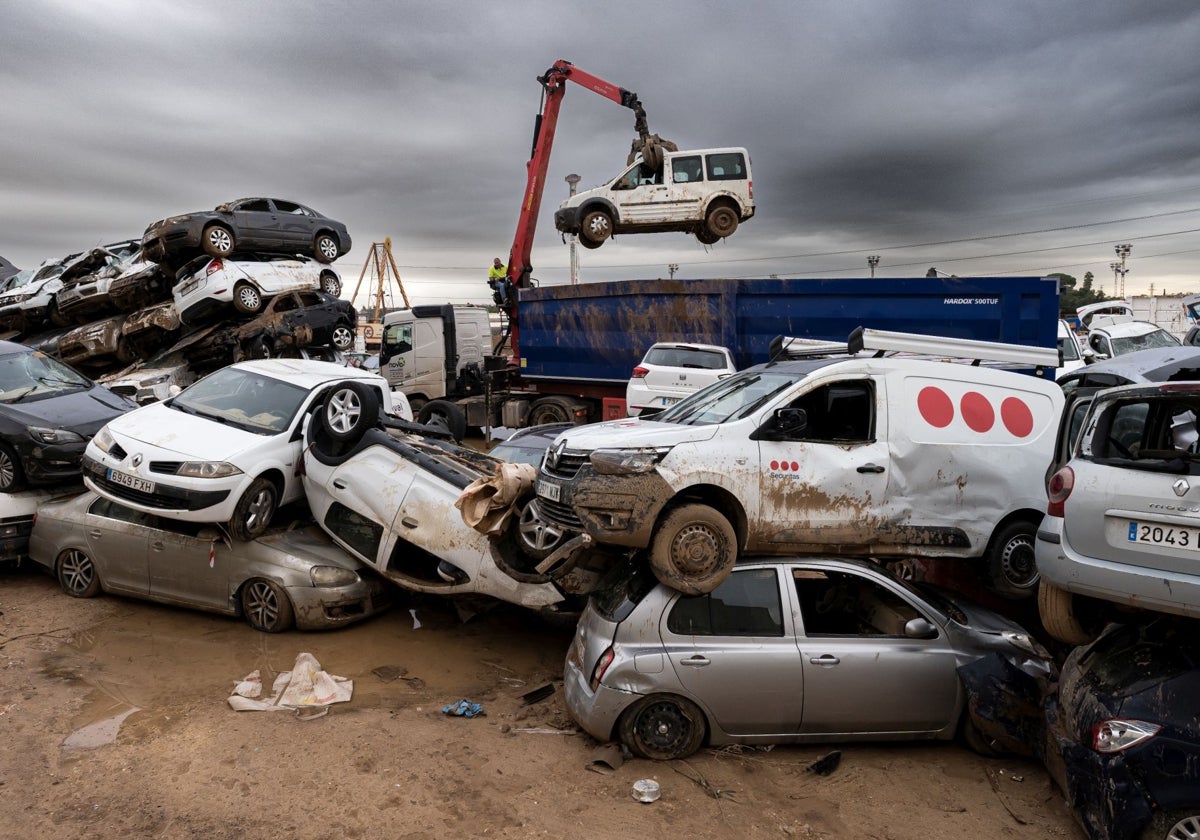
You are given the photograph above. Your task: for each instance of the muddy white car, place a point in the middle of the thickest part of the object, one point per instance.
(708, 192)
(207, 285)
(388, 497)
(672, 370)
(861, 455)
(225, 450)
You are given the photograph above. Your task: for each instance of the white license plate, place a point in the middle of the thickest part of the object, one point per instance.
(188, 287)
(665, 401)
(130, 481)
(546, 490)
(1145, 533)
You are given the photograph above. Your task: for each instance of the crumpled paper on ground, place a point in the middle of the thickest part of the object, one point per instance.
(305, 686)
(487, 502)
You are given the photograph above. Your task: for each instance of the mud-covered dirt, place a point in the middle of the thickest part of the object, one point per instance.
(115, 724)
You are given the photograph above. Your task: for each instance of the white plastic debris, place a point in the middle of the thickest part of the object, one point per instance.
(305, 686)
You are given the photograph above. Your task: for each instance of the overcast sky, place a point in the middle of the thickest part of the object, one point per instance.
(1016, 138)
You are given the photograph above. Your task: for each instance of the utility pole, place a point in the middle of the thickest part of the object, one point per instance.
(1123, 253)
(873, 261)
(573, 182)
(672, 268)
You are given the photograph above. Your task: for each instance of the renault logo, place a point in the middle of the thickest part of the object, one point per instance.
(553, 455)
(137, 460)
(1181, 487)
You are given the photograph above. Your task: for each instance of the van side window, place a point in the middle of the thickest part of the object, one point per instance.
(686, 169)
(726, 166)
(840, 412)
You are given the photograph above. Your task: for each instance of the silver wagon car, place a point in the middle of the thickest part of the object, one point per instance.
(283, 579)
(788, 650)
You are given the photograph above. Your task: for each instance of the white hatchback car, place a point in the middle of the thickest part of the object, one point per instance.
(673, 370)
(206, 285)
(226, 449)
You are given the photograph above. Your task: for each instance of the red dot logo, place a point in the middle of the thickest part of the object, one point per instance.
(977, 412)
(795, 467)
(1016, 416)
(935, 407)
(774, 465)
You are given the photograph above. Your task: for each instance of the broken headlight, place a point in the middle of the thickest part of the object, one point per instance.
(53, 436)
(627, 461)
(104, 440)
(332, 576)
(207, 469)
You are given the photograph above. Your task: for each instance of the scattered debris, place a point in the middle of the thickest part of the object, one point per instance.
(707, 786)
(388, 673)
(305, 686)
(464, 708)
(537, 695)
(826, 764)
(606, 758)
(646, 790)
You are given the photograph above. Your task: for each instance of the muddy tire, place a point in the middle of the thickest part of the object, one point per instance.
(12, 475)
(721, 221)
(343, 337)
(348, 411)
(445, 415)
(693, 549)
(1173, 825)
(1059, 611)
(662, 727)
(1011, 566)
(549, 410)
(246, 299)
(707, 237)
(415, 404)
(77, 574)
(596, 226)
(331, 284)
(265, 606)
(260, 348)
(254, 510)
(217, 241)
(325, 249)
(589, 244)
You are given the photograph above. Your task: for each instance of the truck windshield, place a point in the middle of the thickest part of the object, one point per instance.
(730, 399)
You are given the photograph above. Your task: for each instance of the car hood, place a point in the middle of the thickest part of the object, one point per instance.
(194, 438)
(83, 411)
(633, 432)
(310, 544)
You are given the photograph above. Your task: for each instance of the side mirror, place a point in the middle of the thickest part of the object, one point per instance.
(919, 628)
(784, 423)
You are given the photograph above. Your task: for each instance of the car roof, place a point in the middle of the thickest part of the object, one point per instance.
(687, 345)
(1156, 364)
(544, 432)
(308, 373)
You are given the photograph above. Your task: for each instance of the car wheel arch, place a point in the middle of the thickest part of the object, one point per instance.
(1029, 518)
(716, 497)
(726, 200)
(600, 204)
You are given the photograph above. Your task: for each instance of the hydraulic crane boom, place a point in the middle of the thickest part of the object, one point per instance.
(554, 83)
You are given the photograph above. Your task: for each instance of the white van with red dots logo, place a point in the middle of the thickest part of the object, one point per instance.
(882, 450)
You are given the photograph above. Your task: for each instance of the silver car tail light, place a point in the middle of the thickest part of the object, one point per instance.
(605, 660)
(1058, 490)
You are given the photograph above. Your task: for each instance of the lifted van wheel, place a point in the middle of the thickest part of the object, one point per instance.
(445, 415)
(707, 237)
(1011, 566)
(662, 727)
(693, 549)
(350, 409)
(722, 220)
(1060, 613)
(596, 226)
(588, 243)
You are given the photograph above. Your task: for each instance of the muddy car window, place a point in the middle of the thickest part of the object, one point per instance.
(839, 604)
(111, 510)
(840, 412)
(747, 604)
(256, 403)
(686, 170)
(729, 399)
(726, 166)
(354, 529)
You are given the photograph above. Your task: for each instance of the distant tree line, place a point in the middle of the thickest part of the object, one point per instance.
(1074, 294)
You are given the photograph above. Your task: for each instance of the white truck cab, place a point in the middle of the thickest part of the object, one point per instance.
(883, 456)
(431, 352)
(707, 192)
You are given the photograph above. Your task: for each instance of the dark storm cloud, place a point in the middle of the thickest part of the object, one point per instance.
(870, 124)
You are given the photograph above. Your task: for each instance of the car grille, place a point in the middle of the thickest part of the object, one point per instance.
(117, 452)
(568, 464)
(167, 467)
(559, 514)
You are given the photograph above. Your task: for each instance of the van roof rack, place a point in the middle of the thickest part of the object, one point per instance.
(878, 342)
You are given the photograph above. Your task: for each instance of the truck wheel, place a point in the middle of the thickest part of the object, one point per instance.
(1011, 566)
(348, 411)
(446, 415)
(596, 226)
(693, 549)
(218, 241)
(549, 410)
(722, 220)
(1059, 610)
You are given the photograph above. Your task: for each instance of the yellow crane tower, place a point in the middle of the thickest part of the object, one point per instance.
(383, 272)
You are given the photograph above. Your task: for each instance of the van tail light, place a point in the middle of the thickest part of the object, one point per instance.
(213, 267)
(1058, 490)
(1116, 734)
(640, 372)
(606, 659)
(750, 187)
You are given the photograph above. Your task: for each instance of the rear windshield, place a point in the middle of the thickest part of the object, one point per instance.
(1156, 432)
(623, 588)
(1130, 659)
(685, 357)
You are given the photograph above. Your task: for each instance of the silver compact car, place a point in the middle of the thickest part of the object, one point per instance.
(286, 578)
(1123, 520)
(792, 650)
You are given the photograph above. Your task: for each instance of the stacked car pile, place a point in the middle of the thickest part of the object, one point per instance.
(198, 291)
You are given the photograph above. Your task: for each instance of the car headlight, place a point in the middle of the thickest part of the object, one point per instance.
(627, 461)
(53, 436)
(104, 440)
(1115, 735)
(1025, 644)
(332, 576)
(207, 469)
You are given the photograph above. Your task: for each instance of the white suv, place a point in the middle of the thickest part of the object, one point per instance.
(673, 370)
(706, 192)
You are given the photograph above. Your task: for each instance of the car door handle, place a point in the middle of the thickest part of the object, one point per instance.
(339, 484)
(870, 468)
(409, 522)
(827, 659)
(95, 534)
(157, 545)
(696, 661)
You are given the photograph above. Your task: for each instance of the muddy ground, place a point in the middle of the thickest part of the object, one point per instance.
(115, 724)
